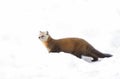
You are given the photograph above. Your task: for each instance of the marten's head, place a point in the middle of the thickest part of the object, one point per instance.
(43, 36)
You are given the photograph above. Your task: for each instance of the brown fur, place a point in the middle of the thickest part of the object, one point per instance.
(75, 46)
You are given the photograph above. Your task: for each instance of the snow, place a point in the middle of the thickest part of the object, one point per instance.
(23, 56)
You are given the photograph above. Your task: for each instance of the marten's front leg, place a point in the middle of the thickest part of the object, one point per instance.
(55, 49)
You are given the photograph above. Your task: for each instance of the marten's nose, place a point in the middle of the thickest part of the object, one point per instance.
(41, 36)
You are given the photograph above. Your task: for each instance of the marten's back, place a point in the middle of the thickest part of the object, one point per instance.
(72, 44)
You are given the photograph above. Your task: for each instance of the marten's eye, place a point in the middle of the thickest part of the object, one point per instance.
(42, 36)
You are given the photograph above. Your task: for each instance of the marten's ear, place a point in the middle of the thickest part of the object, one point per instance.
(40, 31)
(47, 33)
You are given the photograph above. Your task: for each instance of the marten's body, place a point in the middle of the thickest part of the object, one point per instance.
(75, 46)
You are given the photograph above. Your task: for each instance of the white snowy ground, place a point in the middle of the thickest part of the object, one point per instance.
(22, 55)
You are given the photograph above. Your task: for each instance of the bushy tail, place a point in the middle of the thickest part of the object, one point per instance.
(99, 54)
(107, 55)
(102, 55)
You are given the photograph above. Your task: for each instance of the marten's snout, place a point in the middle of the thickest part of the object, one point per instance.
(41, 36)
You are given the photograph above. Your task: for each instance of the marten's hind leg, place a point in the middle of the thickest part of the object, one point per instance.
(95, 58)
(80, 56)
(77, 54)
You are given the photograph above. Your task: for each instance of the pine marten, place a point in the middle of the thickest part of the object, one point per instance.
(75, 46)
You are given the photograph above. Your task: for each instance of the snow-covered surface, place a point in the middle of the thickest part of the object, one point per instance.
(23, 56)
